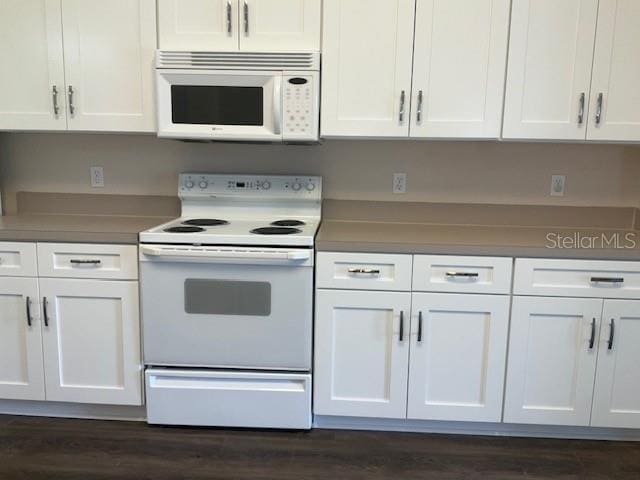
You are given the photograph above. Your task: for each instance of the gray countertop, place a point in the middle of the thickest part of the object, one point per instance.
(355, 231)
(75, 228)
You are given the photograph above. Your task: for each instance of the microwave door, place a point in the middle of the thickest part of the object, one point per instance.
(220, 105)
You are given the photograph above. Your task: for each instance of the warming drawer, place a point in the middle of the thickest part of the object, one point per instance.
(228, 399)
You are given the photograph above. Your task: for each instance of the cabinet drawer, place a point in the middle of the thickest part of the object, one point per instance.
(68, 260)
(441, 273)
(228, 399)
(18, 259)
(363, 271)
(577, 278)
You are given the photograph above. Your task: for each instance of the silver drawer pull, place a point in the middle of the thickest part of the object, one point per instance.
(607, 280)
(364, 271)
(85, 262)
(462, 275)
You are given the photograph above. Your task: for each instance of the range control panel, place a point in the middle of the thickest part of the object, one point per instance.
(300, 103)
(197, 184)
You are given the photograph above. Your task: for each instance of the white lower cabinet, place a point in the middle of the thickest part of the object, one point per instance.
(69, 340)
(361, 353)
(552, 360)
(458, 355)
(21, 371)
(91, 341)
(616, 401)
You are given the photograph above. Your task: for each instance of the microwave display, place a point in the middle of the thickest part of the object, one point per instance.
(217, 105)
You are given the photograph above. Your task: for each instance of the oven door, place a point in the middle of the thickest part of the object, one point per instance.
(231, 308)
(220, 105)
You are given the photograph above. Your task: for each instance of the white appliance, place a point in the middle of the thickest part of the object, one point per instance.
(238, 96)
(227, 303)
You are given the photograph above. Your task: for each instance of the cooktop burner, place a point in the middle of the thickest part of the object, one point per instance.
(184, 230)
(275, 231)
(287, 223)
(205, 222)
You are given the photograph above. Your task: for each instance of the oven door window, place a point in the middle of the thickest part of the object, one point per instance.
(217, 105)
(227, 297)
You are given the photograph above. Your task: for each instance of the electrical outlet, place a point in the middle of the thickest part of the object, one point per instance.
(399, 183)
(558, 183)
(97, 177)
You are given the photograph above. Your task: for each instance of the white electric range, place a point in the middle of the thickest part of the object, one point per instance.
(227, 303)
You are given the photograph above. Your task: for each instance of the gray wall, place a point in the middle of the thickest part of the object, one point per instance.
(353, 169)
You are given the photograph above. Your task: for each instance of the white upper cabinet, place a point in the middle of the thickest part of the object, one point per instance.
(366, 69)
(232, 25)
(458, 356)
(194, 25)
(277, 25)
(615, 96)
(32, 83)
(21, 368)
(459, 64)
(549, 74)
(552, 360)
(109, 51)
(361, 353)
(616, 401)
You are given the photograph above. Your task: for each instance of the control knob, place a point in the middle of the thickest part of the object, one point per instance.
(266, 185)
(311, 187)
(189, 184)
(203, 184)
(296, 187)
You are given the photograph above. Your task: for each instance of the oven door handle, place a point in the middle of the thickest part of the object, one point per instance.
(212, 254)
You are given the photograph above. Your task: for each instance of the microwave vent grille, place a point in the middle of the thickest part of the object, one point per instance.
(238, 60)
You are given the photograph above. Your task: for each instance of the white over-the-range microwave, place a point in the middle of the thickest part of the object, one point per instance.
(238, 96)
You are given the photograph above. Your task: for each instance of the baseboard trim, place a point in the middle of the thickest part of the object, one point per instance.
(472, 428)
(73, 410)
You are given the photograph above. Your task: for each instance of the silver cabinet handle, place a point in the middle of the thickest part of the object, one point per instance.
(402, 102)
(28, 311)
(419, 113)
(229, 26)
(54, 95)
(462, 274)
(74, 261)
(401, 333)
(246, 18)
(599, 108)
(612, 333)
(607, 280)
(365, 271)
(419, 326)
(72, 108)
(581, 112)
(592, 339)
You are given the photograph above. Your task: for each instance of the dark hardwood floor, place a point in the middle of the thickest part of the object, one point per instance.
(39, 448)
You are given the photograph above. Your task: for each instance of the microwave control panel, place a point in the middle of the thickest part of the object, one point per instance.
(300, 104)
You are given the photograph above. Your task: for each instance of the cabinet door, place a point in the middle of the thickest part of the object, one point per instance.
(552, 360)
(277, 25)
(549, 74)
(615, 96)
(92, 341)
(192, 25)
(458, 355)
(32, 66)
(21, 374)
(109, 49)
(366, 67)
(616, 401)
(360, 356)
(461, 98)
